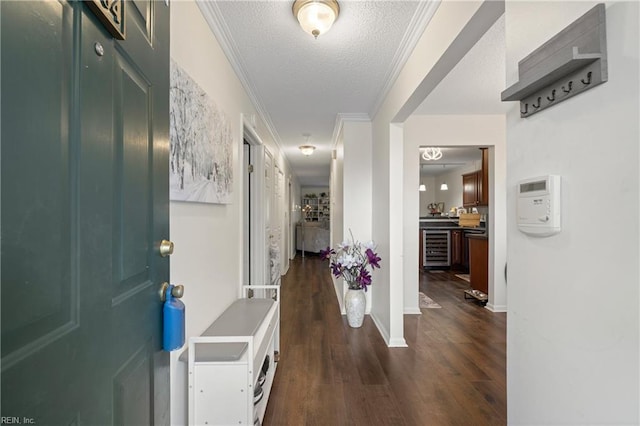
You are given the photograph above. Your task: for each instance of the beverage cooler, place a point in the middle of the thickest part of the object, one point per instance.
(435, 248)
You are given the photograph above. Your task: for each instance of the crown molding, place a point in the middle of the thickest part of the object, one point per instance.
(214, 18)
(341, 118)
(421, 18)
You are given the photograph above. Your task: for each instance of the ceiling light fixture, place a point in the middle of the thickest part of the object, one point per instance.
(444, 186)
(307, 149)
(431, 153)
(316, 16)
(422, 186)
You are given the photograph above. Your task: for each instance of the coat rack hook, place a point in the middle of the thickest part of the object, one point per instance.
(588, 79)
(553, 96)
(526, 109)
(570, 86)
(539, 100)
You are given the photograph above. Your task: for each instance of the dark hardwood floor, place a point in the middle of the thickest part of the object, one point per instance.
(452, 373)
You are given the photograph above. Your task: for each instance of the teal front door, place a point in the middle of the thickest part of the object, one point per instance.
(84, 193)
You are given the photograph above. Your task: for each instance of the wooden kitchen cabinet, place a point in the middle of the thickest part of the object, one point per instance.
(479, 263)
(457, 249)
(475, 186)
(483, 179)
(470, 189)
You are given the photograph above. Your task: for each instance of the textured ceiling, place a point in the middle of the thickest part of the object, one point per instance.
(300, 84)
(473, 86)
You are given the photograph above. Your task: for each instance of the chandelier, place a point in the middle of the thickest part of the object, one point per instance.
(431, 153)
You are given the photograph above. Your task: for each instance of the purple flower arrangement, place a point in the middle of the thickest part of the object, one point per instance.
(351, 261)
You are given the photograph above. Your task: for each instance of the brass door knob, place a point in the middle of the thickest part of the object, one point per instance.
(165, 248)
(177, 291)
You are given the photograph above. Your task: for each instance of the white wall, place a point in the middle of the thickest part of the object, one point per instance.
(336, 179)
(296, 215)
(357, 190)
(573, 324)
(352, 191)
(459, 130)
(407, 92)
(208, 237)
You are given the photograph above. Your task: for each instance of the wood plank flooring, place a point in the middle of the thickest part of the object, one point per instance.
(452, 373)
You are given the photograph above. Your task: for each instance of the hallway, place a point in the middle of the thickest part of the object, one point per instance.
(453, 373)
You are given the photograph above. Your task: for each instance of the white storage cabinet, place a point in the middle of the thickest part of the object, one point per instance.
(225, 362)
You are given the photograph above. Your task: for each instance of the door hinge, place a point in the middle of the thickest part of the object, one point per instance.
(250, 168)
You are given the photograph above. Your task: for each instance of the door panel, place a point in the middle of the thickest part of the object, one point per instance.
(133, 212)
(133, 389)
(84, 201)
(141, 11)
(38, 295)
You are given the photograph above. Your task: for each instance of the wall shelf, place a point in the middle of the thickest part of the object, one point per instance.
(570, 63)
(566, 64)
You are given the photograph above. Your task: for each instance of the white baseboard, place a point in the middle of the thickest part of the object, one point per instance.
(340, 301)
(383, 332)
(496, 308)
(412, 311)
(398, 342)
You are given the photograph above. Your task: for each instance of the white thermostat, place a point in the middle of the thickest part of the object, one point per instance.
(539, 206)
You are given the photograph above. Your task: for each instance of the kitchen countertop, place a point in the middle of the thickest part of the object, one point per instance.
(446, 224)
(452, 227)
(478, 236)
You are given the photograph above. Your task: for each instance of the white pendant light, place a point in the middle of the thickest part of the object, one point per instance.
(316, 16)
(444, 186)
(422, 186)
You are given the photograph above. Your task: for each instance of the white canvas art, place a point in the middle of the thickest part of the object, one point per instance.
(200, 168)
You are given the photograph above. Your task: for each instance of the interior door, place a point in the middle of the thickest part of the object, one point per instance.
(84, 205)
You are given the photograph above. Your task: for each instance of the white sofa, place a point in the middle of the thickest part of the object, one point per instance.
(316, 237)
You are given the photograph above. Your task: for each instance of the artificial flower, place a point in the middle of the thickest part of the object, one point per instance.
(351, 261)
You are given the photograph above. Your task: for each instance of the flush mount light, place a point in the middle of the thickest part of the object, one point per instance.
(316, 16)
(431, 153)
(307, 149)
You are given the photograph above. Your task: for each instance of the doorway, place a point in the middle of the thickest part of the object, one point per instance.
(247, 170)
(478, 120)
(453, 212)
